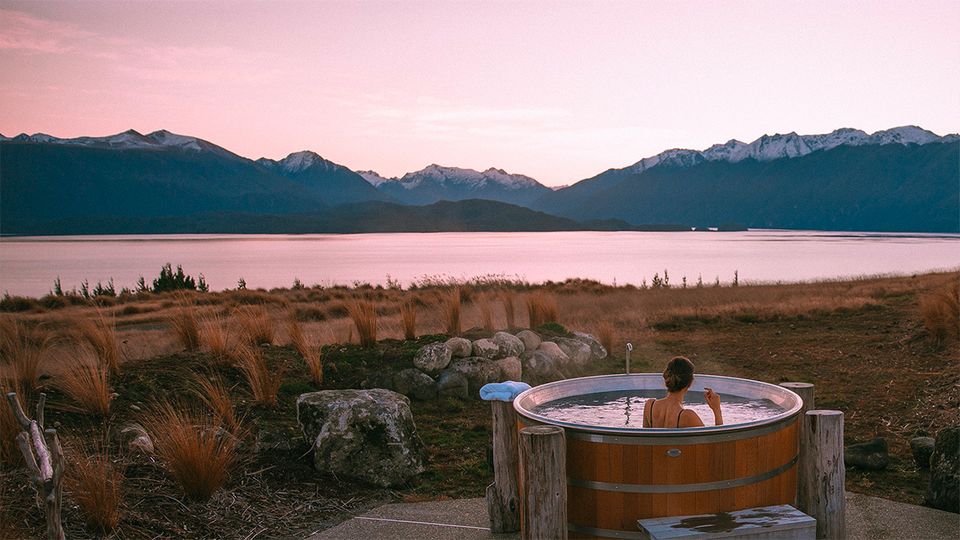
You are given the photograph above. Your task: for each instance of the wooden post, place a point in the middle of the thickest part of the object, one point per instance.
(543, 465)
(822, 472)
(806, 392)
(503, 497)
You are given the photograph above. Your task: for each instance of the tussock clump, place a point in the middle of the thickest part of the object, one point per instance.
(215, 396)
(9, 427)
(186, 327)
(486, 312)
(22, 351)
(507, 298)
(100, 333)
(193, 448)
(605, 334)
(453, 304)
(264, 383)
(542, 308)
(364, 317)
(940, 310)
(311, 355)
(97, 487)
(256, 326)
(86, 382)
(408, 316)
(215, 337)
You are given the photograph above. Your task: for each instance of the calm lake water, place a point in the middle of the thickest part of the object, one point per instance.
(29, 265)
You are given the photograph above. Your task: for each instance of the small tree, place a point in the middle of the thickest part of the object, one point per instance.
(168, 280)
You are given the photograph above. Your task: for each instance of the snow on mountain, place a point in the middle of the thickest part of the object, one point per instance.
(790, 145)
(165, 138)
(466, 178)
(2, 138)
(130, 139)
(299, 162)
(374, 178)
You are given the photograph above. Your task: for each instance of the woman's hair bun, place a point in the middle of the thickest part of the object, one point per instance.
(678, 374)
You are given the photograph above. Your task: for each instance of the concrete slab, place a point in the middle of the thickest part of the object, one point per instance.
(868, 518)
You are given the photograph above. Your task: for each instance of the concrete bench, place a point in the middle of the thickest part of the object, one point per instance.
(782, 522)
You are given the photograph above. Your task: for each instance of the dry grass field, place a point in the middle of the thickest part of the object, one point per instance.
(213, 377)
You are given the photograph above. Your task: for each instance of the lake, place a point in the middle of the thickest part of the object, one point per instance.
(29, 265)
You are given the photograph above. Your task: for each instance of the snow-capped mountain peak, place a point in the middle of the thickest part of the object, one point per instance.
(904, 135)
(374, 178)
(299, 162)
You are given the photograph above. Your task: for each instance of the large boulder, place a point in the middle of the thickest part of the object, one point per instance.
(478, 372)
(544, 365)
(459, 347)
(415, 384)
(597, 350)
(922, 449)
(365, 435)
(432, 358)
(869, 455)
(510, 369)
(485, 348)
(452, 384)
(531, 340)
(578, 351)
(945, 471)
(509, 344)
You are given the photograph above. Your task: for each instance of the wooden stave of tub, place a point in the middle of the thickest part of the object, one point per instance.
(711, 471)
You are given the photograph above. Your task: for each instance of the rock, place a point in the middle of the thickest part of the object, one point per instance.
(869, 455)
(531, 340)
(452, 384)
(922, 448)
(478, 371)
(541, 366)
(139, 439)
(365, 435)
(459, 347)
(578, 351)
(486, 348)
(416, 384)
(553, 350)
(945, 471)
(509, 344)
(378, 380)
(510, 368)
(597, 350)
(432, 358)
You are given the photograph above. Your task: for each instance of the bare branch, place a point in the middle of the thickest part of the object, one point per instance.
(23, 442)
(41, 403)
(18, 411)
(43, 453)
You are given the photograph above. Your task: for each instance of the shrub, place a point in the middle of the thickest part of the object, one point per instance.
(215, 396)
(542, 309)
(168, 280)
(17, 303)
(408, 316)
(23, 348)
(263, 384)
(453, 304)
(97, 488)
(940, 310)
(195, 451)
(256, 327)
(186, 329)
(100, 334)
(508, 308)
(86, 383)
(311, 355)
(364, 317)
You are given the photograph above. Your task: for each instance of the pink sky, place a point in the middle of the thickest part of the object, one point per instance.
(559, 91)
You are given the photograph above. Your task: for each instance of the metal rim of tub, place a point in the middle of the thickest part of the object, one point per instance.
(783, 397)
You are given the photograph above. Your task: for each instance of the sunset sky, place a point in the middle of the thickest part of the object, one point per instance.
(558, 90)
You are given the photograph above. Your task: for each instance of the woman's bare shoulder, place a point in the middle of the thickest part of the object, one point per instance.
(690, 418)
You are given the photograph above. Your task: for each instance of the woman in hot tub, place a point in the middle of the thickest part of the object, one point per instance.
(668, 412)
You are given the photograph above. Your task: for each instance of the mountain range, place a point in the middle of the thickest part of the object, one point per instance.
(901, 179)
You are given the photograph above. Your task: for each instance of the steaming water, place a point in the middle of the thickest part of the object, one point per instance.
(624, 408)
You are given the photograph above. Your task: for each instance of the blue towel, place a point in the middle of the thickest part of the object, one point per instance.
(504, 391)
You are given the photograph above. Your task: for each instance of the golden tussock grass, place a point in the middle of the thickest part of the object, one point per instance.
(255, 323)
(213, 394)
(9, 427)
(311, 354)
(364, 317)
(263, 383)
(215, 337)
(542, 308)
(408, 316)
(453, 305)
(96, 486)
(86, 382)
(507, 298)
(486, 312)
(22, 351)
(186, 327)
(193, 448)
(100, 334)
(605, 335)
(940, 311)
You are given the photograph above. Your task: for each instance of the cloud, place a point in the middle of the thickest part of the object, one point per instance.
(25, 32)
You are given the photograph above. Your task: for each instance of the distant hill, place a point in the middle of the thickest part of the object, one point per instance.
(333, 183)
(435, 183)
(470, 215)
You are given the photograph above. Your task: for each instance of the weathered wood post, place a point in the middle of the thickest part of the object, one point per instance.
(543, 465)
(822, 472)
(43, 456)
(806, 392)
(503, 495)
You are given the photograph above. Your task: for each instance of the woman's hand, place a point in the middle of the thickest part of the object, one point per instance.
(713, 399)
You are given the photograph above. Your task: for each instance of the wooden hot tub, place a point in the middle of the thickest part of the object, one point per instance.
(617, 475)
